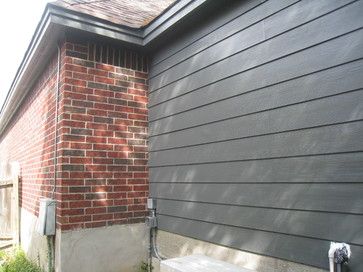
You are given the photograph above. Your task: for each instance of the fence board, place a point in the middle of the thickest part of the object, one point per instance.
(9, 205)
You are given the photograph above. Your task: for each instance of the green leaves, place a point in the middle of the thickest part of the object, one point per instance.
(16, 261)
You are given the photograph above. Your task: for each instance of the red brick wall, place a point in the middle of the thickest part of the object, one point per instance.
(103, 141)
(102, 137)
(29, 139)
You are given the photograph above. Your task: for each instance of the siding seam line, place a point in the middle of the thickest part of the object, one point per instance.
(189, 44)
(263, 41)
(259, 135)
(234, 33)
(260, 65)
(257, 112)
(254, 229)
(257, 207)
(253, 90)
(259, 159)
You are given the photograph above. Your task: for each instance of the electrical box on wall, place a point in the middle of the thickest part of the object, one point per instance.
(151, 221)
(151, 203)
(46, 219)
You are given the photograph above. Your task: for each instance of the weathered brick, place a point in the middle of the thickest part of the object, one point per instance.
(73, 152)
(106, 120)
(83, 63)
(117, 88)
(102, 129)
(72, 167)
(81, 131)
(96, 85)
(98, 72)
(116, 209)
(76, 54)
(79, 189)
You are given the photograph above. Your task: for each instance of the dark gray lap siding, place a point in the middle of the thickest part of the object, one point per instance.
(256, 128)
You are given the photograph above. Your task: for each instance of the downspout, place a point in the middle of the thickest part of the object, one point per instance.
(51, 238)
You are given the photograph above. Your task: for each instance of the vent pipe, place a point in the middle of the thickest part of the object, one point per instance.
(339, 254)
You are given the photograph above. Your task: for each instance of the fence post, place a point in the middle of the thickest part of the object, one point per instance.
(15, 173)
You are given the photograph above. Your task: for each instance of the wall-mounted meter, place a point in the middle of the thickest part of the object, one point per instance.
(46, 219)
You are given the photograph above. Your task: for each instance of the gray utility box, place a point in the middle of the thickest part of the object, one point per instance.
(151, 221)
(151, 203)
(46, 219)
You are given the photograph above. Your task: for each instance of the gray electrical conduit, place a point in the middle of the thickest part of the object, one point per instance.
(153, 249)
(56, 122)
(50, 239)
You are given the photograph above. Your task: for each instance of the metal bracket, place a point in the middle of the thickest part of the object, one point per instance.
(151, 221)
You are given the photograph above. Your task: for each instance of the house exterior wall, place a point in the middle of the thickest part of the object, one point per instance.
(29, 140)
(102, 175)
(255, 128)
(102, 148)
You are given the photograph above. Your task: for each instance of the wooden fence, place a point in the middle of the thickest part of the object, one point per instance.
(9, 206)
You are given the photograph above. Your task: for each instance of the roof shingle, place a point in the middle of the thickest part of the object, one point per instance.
(131, 13)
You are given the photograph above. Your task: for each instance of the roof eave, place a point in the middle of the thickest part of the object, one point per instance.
(44, 42)
(51, 29)
(80, 21)
(169, 18)
(38, 52)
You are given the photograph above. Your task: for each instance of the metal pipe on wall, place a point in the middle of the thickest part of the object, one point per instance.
(338, 254)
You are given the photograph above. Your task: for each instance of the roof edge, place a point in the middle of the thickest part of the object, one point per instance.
(52, 25)
(9, 107)
(84, 22)
(168, 18)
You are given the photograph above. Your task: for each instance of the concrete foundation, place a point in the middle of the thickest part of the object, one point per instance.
(119, 248)
(122, 248)
(34, 245)
(172, 245)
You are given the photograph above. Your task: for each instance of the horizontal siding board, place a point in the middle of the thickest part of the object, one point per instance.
(261, 150)
(327, 82)
(292, 41)
(339, 168)
(232, 45)
(335, 109)
(300, 13)
(218, 36)
(300, 223)
(314, 32)
(322, 140)
(350, 47)
(301, 250)
(290, 14)
(309, 197)
(204, 29)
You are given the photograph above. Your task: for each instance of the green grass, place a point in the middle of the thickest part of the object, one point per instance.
(144, 267)
(16, 261)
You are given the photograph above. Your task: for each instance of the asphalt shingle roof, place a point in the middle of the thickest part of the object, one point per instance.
(131, 13)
